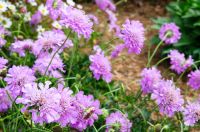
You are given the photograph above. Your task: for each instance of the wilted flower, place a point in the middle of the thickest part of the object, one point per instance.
(105, 4)
(169, 33)
(194, 79)
(118, 122)
(178, 61)
(150, 77)
(133, 36)
(22, 46)
(17, 77)
(43, 61)
(41, 101)
(68, 113)
(77, 20)
(3, 63)
(88, 111)
(191, 113)
(5, 102)
(54, 7)
(168, 98)
(113, 22)
(101, 67)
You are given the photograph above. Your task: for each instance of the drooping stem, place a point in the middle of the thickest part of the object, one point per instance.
(156, 49)
(162, 60)
(56, 53)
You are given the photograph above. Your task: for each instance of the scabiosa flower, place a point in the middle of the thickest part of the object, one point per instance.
(168, 98)
(172, 32)
(36, 18)
(22, 46)
(41, 101)
(194, 79)
(105, 4)
(100, 66)
(93, 18)
(17, 77)
(88, 111)
(150, 77)
(52, 40)
(118, 122)
(5, 102)
(117, 50)
(133, 36)
(77, 20)
(54, 7)
(191, 113)
(3, 63)
(178, 61)
(43, 61)
(68, 113)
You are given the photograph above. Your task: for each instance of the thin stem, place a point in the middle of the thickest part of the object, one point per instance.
(162, 60)
(157, 47)
(3, 54)
(3, 125)
(95, 128)
(110, 89)
(140, 113)
(119, 2)
(56, 53)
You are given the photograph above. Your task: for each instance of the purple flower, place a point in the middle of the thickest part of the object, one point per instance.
(88, 111)
(118, 122)
(36, 18)
(105, 4)
(191, 113)
(43, 61)
(51, 41)
(17, 78)
(101, 67)
(133, 36)
(178, 61)
(54, 7)
(150, 77)
(5, 102)
(168, 98)
(3, 63)
(68, 113)
(22, 46)
(93, 18)
(77, 20)
(172, 32)
(41, 101)
(117, 50)
(194, 79)
(3, 32)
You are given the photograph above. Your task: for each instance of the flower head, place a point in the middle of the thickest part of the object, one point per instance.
(169, 33)
(41, 101)
(22, 46)
(5, 102)
(191, 113)
(194, 79)
(117, 50)
(88, 111)
(17, 78)
(118, 122)
(178, 61)
(77, 20)
(105, 4)
(100, 66)
(168, 98)
(3, 63)
(36, 18)
(150, 77)
(133, 36)
(43, 61)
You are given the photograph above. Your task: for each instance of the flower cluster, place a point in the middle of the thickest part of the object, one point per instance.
(48, 104)
(178, 61)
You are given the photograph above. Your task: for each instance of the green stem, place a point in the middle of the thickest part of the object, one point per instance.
(156, 49)
(110, 91)
(140, 113)
(56, 53)
(3, 125)
(162, 60)
(119, 2)
(3, 54)
(95, 128)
